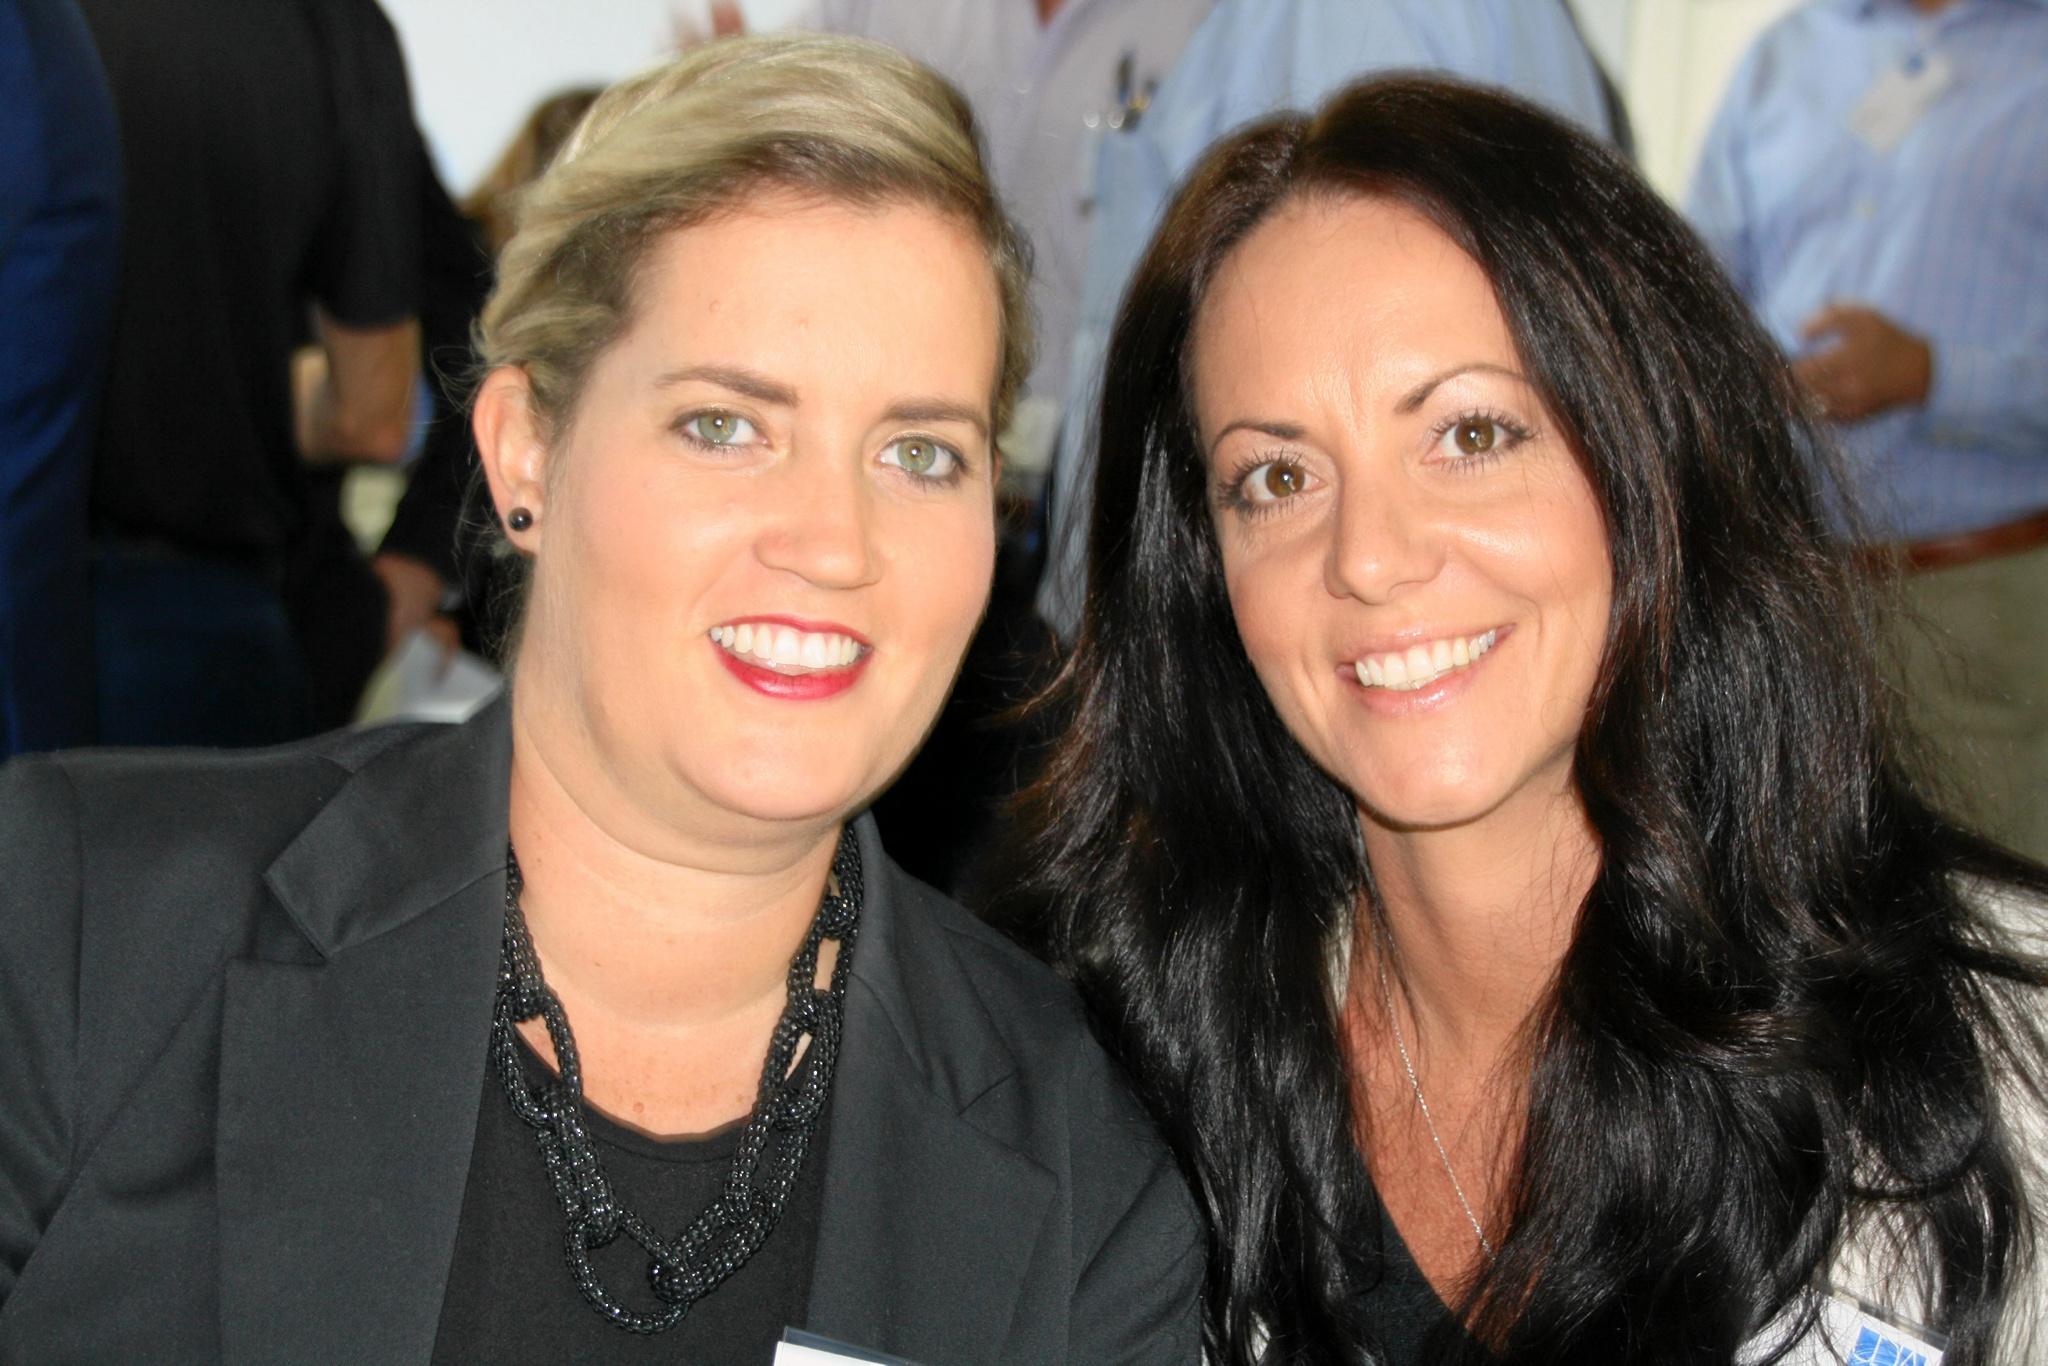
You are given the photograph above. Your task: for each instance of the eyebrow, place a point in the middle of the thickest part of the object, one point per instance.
(937, 410)
(1413, 399)
(1279, 431)
(759, 387)
(752, 383)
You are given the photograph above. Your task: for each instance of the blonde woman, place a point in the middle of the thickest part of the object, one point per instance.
(602, 1025)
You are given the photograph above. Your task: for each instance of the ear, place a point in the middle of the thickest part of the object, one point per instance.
(508, 441)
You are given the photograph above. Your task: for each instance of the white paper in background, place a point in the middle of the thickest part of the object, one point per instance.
(423, 680)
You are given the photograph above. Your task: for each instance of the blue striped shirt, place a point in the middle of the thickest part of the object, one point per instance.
(1248, 59)
(1945, 231)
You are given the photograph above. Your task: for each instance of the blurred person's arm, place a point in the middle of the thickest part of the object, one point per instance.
(355, 391)
(1718, 203)
(413, 594)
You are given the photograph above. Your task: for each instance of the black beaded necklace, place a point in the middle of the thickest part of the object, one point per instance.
(683, 1269)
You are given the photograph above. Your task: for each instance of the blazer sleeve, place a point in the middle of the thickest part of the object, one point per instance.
(39, 960)
(1137, 1297)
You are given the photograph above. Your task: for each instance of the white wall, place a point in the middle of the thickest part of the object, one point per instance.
(479, 66)
(1680, 55)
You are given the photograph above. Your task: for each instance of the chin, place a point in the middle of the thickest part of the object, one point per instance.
(794, 802)
(1437, 800)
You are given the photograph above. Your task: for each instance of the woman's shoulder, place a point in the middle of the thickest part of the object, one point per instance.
(1005, 1042)
(1000, 1029)
(947, 953)
(96, 844)
(138, 790)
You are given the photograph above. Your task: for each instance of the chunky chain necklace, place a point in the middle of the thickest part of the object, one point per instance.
(1415, 1085)
(687, 1267)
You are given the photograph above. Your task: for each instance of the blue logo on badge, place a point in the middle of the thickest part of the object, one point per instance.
(1875, 1349)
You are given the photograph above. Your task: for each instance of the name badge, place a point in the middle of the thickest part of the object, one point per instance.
(1865, 1337)
(1897, 99)
(799, 1348)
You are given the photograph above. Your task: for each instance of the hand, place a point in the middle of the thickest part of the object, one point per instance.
(686, 31)
(1875, 365)
(413, 592)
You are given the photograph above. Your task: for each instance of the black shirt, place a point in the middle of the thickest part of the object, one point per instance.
(511, 1297)
(1410, 1324)
(271, 162)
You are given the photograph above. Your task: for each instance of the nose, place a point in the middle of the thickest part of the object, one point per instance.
(1381, 541)
(820, 525)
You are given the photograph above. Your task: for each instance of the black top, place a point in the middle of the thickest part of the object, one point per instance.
(271, 162)
(1409, 1322)
(247, 1001)
(510, 1295)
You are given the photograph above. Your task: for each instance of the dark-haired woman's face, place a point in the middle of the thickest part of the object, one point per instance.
(1416, 561)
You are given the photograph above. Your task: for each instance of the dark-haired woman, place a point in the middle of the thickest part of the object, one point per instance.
(1483, 830)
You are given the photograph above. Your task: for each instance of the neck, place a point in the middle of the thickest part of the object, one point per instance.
(667, 930)
(1932, 6)
(1048, 10)
(1480, 916)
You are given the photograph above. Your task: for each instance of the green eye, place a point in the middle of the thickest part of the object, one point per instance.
(719, 428)
(921, 456)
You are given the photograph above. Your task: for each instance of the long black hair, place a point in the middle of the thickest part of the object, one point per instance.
(1780, 1010)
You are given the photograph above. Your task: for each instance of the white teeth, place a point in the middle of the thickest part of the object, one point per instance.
(786, 648)
(1418, 665)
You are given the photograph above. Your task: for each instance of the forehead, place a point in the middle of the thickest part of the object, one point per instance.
(1343, 286)
(788, 282)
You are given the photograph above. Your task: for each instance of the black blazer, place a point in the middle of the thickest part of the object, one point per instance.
(244, 1008)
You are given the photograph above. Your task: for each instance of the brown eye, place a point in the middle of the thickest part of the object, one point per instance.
(1475, 435)
(1282, 481)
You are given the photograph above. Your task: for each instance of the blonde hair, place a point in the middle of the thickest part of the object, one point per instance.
(846, 119)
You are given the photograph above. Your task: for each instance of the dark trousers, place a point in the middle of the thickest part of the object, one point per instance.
(193, 651)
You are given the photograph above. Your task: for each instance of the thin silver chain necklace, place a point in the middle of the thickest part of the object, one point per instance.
(1415, 1085)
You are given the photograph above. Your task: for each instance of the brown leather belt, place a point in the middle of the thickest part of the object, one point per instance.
(1967, 547)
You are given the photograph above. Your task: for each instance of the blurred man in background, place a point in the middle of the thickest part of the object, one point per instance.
(1251, 58)
(1877, 183)
(60, 168)
(1050, 80)
(271, 158)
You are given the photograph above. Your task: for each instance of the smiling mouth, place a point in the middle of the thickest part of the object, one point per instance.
(1420, 665)
(784, 649)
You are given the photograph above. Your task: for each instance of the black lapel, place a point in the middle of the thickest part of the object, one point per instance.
(350, 1077)
(929, 1223)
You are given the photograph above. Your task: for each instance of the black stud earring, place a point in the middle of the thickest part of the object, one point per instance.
(519, 520)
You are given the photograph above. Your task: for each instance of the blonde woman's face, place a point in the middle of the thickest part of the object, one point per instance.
(1416, 561)
(769, 526)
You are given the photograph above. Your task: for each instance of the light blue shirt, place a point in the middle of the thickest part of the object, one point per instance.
(1942, 227)
(1249, 59)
